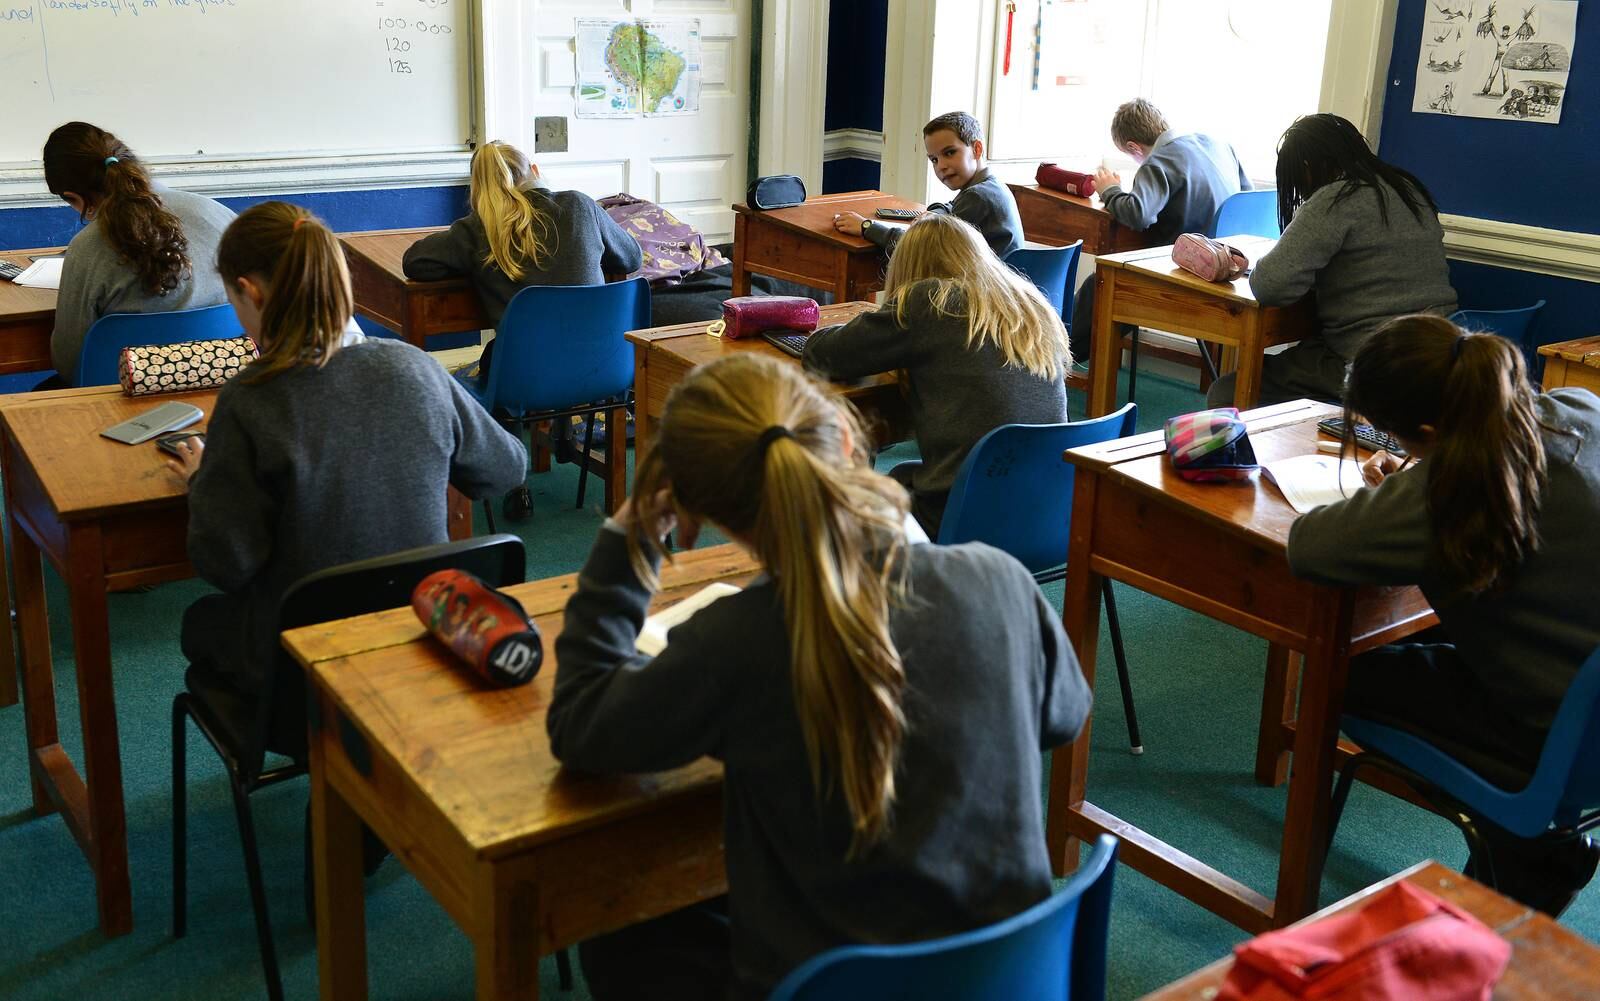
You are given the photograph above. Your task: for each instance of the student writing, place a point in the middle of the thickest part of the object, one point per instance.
(980, 346)
(880, 705)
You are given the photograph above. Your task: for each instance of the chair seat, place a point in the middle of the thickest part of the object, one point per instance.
(229, 716)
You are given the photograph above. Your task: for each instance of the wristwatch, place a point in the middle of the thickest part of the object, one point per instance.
(864, 224)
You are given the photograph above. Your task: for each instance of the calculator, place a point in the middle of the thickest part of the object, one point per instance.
(9, 271)
(1367, 436)
(898, 215)
(790, 342)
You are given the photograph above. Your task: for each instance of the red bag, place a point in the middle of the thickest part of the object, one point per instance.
(1210, 259)
(1402, 945)
(1061, 179)
(750, 315)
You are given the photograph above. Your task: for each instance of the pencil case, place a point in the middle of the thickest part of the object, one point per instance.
(775, 191)
(1210, 445)
(487, 629)
(1210, 259)
(1061, 179)
(752, 315)
(184, 367)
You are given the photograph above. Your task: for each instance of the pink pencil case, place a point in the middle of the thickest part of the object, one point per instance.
(1212, 260)
(752, 315)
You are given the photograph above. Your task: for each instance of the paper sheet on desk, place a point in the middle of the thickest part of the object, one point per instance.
(653, 638)
(43, 273)
(1310, 481)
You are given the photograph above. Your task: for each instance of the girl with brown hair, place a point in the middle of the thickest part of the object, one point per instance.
(880, 704)
(137, 252)
(1496, 516)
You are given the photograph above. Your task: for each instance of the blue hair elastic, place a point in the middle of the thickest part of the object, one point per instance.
(111, 159)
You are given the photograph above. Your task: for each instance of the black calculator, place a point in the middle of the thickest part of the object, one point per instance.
(899, 215)
(790, 342)
(1367, 436)
(9, 271)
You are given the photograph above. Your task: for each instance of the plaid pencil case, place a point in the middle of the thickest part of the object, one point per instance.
(1210, 445)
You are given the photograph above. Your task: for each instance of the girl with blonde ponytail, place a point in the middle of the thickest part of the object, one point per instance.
(880, 704)
(1496, 516)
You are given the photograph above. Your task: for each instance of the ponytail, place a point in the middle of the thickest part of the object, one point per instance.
(756, 447)
(301, 266)
(101, 170)
(518, 232)
(1486, 470)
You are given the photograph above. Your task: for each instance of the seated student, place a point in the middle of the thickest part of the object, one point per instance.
(1499, 524)
(140, 248)
(879, 704)
(1183, 178)
(980, 344)
(955, 148)
(1361, 234)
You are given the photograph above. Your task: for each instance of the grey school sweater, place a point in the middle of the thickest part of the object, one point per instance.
(1178, 188)
(588, 245)
(985, 202)
(96, 280)
(318, 467)
(956, 394)
(990, 683)
(1364, 271)
(1525, 642)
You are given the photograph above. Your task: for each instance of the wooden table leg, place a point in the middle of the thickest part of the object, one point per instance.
(644, 424)
(1105, 352)
(1247, 388)
(616, 457)
(33, 641)
(8, 650)
(741, 251)
(1080, 613)
(336, 854)
(506, 947)
(1278, 698)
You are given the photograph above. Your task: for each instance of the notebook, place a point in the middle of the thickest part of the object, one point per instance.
(43, 273)
(1310, 481)
(653, 638)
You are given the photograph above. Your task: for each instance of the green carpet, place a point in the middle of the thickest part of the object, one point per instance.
(1197, 686)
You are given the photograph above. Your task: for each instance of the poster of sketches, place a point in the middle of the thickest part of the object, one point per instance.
(1495, 58)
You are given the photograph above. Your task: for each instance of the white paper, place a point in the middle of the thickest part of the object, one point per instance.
(653, 639)
(1310, 481)
(44, 273)
(1495, 58)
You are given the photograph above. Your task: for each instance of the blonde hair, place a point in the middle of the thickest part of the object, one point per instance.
(307, 286)
(517, 229)
(1001, 306)
(756, 447)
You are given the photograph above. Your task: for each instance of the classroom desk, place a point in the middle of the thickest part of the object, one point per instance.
(662, 356)
(414, 310)
(1548, 962)
(1572, 363)
(799, 244)
(27, 315)
(1144, 287)
(1057, 218)
(459, 781)
(1219, 549)
(109, 517)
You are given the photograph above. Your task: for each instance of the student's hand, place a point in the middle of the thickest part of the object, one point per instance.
(848, 223)
(189, 452)
(661, 510)
(1379, 466)
(1105, 177)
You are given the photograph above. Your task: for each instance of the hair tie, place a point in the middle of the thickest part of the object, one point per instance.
(111, 159)
(771, 435)
(297, 223)
(1455, 347)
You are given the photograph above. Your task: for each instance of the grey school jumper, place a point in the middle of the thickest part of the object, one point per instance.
(588, 245)
(990, 683)
(96, 280)
(317, 467)
(985, 202)
(956, 394)
(1178, 188)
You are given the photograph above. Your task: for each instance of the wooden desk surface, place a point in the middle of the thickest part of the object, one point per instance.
(692, 344)
(840, 312)
(18, 302)
(1547, 961)
(480, 755)
(387, 249)
(1584, 351)
(815, 215)
(1089, 204)
(1157, 261)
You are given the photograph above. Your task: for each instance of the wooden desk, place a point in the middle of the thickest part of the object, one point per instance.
(27, 315)
(109, 517)
(1219, 549)
(799, 244)
(1572, 363)
(459, 781)
(662, 356)
(1144, 287)
(1548, 962)
(1057, 218)
(415, 310)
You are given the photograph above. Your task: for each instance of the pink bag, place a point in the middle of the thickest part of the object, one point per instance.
(750, 315)
(1062, 179)
(1212, 260)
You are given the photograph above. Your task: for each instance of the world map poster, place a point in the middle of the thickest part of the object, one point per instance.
(1505, 59)
(649, 66)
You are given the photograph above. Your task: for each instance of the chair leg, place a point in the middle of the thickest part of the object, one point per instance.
(180, 819)
(1133, 367)
(583, 456)
(1341, 793)
(1478, 851)
(564, 959)
(1206, 360)
(1135, 744)
(488, 513)
(258, 893)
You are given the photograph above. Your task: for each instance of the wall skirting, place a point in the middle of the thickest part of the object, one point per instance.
(1524, 248)
(859, 144)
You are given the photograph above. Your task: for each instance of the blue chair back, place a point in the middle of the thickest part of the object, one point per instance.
(1054, 270)
(1247, 213)
(1512, 324)
(1054, 951)
(107, 336)
(1014, 491)
(1565, 784)
(563, 346)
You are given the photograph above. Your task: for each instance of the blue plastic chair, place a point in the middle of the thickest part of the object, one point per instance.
(561, 351)
(107, 336)
(1512, 324)
(1563, 795)
(1053, 951)
(1014, 492)
(1247, 213)
(1054, 270)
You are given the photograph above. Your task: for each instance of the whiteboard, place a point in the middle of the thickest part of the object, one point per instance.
(237, 79)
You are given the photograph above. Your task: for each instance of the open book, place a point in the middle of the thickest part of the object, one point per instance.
(1310, 481)
(653, 638)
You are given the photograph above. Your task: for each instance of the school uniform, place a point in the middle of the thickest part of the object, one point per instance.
(96, 278)
(991, 681)
(985, 202)
(956, 393)
(1490, 694)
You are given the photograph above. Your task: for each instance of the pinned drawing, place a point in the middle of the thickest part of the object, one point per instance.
(1511, 68)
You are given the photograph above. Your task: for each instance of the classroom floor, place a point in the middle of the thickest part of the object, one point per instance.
(1197, 686)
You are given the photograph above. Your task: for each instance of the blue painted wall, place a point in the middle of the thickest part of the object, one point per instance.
(850, 174)
(858, 33)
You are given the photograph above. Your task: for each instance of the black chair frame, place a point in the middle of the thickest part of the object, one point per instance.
(1135, 742)
(532, 419)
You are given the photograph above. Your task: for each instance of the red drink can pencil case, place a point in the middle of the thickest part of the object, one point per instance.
(487, 629)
